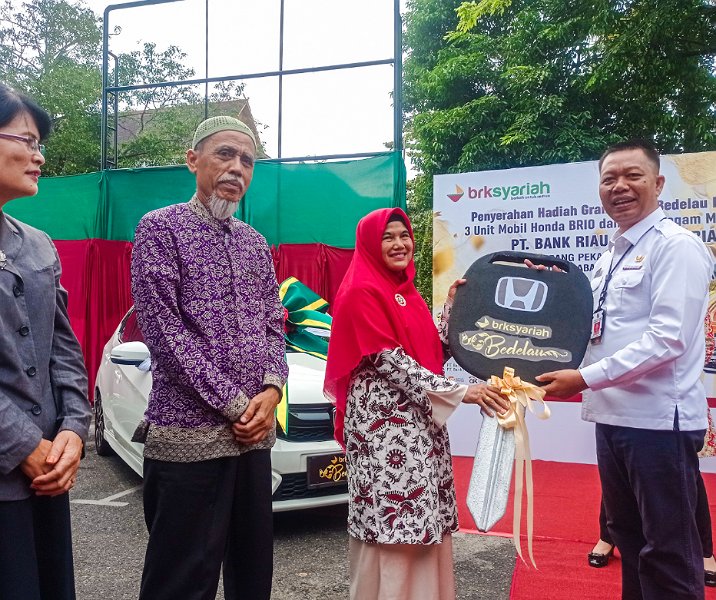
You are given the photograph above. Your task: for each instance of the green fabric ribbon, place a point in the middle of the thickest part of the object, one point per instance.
(304, 309)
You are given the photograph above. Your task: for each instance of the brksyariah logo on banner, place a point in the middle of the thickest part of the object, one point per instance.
(555, 209)
(511, 192)
(459, 193)
(540, 189)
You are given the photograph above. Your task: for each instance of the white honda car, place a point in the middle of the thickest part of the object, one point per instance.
(307, 464)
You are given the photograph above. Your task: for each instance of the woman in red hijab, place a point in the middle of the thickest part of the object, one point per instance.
(385, 375)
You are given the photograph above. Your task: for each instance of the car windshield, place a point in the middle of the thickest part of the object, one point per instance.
(129, 332)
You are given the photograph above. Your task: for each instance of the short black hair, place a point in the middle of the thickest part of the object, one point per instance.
(13, 103)
(397, 217)
(634, 144)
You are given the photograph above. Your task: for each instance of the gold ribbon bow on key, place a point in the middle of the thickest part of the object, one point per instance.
(521, 395)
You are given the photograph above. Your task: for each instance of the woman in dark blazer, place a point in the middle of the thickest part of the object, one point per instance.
(44, 412)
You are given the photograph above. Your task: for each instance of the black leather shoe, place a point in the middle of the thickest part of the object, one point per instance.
(710, 578)
(598, 560)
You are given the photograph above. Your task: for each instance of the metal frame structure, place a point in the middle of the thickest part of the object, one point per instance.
(115, 89)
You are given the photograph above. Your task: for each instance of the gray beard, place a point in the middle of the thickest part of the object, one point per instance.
(221, 209)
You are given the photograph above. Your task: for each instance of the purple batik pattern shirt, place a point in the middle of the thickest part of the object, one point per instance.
(207, 304)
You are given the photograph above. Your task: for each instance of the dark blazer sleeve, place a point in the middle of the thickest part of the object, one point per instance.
(19, 436)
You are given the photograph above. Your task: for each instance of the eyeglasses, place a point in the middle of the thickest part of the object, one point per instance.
(33, 144)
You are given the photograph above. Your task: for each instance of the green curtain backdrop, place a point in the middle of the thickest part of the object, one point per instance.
(321, 203)
(287, 203)
(65, 207)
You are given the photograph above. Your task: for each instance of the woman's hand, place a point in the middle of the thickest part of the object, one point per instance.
(487, 397)
(64, 461)
(36, 463)
(453, 289)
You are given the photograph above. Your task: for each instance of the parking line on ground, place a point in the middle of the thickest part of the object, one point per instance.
(109, 500)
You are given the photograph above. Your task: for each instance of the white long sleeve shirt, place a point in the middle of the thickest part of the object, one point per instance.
(649, 362)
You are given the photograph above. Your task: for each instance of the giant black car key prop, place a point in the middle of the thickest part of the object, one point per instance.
(532, 320)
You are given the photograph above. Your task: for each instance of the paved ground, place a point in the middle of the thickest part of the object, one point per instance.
(310, 546)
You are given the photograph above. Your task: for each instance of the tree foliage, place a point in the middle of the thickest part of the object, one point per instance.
(49, 49)
(163, 119)
(497, 84)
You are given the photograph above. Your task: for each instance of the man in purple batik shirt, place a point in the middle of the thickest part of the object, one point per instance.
(207, 304)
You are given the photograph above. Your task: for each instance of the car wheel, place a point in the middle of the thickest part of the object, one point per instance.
(101, 445)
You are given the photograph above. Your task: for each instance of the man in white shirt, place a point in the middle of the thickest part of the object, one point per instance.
(641, 374)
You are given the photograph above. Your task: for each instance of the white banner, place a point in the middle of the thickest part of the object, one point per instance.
(554, 209)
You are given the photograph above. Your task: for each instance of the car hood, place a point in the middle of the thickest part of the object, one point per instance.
(305, 380)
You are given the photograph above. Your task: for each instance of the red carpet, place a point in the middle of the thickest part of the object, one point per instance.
(566, 527)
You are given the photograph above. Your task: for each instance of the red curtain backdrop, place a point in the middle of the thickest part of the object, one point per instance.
(318, 266)
(96, 274)
(76, 272)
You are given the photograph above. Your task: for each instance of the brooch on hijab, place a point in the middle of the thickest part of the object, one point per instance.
(400, 300)
(3, 260)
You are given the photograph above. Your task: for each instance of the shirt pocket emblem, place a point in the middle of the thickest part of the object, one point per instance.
(629, 278)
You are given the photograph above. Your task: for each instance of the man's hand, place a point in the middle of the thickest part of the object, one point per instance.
(258, 418)
(35, 465)
(63, 461)
(487, 397)
(562, 384)
(531, 265)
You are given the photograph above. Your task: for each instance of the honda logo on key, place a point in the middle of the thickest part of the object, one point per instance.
(517, 293)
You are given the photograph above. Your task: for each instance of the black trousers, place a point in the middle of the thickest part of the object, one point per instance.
(703, 520)
(649, 489)
(202, 514)
(36, 549)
